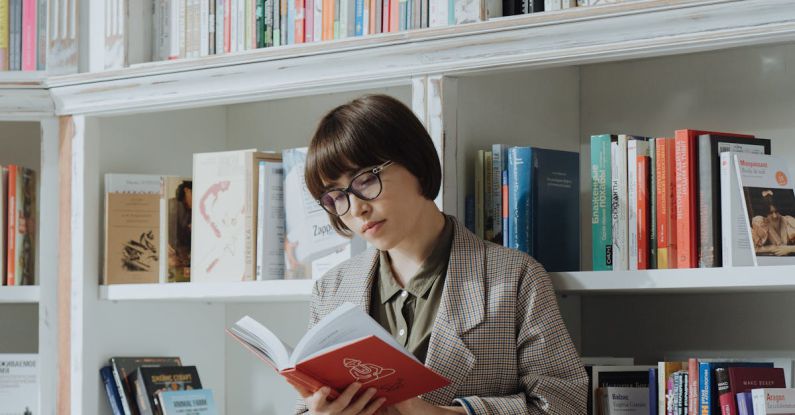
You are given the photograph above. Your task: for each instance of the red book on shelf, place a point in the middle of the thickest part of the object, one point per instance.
(644, 205)
(665, 209)
(687, 195)
(11, 240)
(344, 347)
(744, 379)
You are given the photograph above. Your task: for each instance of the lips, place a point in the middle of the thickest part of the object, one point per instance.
(369, 225)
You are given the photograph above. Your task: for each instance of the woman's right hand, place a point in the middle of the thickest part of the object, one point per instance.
(345, 404)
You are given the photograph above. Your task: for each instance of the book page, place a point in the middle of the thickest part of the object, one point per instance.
(343, 325)
(262, 339)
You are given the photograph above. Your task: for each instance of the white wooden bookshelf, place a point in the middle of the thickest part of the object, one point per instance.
(252, 291)
(19, 295)
(548, 80)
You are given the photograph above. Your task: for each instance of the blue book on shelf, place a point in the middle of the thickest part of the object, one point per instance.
(708, 387)
(359, 15)
(499, 166)
(187, 402)
(469, 213)
(652, 390)
(555, 211)
(110, 388)
(506, 230)
(601, 206)
(745, 405)
(520, 170)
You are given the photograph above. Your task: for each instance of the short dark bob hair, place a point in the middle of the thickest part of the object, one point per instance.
(364, 133)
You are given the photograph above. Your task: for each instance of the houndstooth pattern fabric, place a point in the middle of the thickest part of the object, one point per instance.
(498, 334)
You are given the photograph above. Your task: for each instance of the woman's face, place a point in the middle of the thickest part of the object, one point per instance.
(391, 217)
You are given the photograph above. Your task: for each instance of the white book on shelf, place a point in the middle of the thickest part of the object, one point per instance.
(619, 204)
(19, 384)
(204, 27)
(438, 13)
(773, 401)
(620, 400)
(466, 11)
(270, 221)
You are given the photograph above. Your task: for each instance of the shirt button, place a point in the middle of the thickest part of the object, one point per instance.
(404, 294)
(402, 332)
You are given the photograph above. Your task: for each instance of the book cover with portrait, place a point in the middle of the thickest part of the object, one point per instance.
(176, 203)
(312, 246)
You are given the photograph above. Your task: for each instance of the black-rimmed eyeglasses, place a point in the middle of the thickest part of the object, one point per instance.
(365, 185)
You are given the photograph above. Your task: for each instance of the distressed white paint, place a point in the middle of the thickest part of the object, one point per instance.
(79, 294)
(621, 31)
(19, 295)
(25, 103)
(47, 265)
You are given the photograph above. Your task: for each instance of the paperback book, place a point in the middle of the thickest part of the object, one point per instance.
(19, 384)
(187, 402)
(345, 346)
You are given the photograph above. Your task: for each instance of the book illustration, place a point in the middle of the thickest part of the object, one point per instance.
(365, 373)
(151, 380)
(140, 254)
(772, 213)
(187, 402)
(178, 193)
(222, 219)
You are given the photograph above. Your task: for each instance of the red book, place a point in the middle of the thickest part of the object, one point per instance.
(344, 347)
(11, 239)
(687, 195)
(665, 209)
(299, 21)
(744, 379)
(693, 407)
(643, 213)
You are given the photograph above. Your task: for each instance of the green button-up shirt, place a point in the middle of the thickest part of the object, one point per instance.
(409, 312)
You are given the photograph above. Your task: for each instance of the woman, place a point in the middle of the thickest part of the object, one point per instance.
(483, 316)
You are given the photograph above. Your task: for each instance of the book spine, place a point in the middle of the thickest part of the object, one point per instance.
(664, 211)
(692, 385)
(142, 399)
(643, 212)
(11, 257)
(488, 200)
(260, 221)
(212, 16)
(4, 34)
(506, 233)
(29, 38)
(653, 386)
(519, 197)
(41, 35)
(480, 206)
(110, 389)
(759, 400)
(724, 392)
(299, 21)
(708, 209)
(125, 404)
(394, 15)
(359, 18)
(744, 404)
(704, 384)
(632, 203)
(273, 248)
(652, 209)
(686, 226)
(163, 254)
(601, 209)
(497, 167)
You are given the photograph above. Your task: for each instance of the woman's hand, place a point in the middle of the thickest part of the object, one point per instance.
(345, 404)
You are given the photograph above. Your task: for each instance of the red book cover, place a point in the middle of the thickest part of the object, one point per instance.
(644, 220)
(744, 379)
(666, 214)
(692, 387)
(299, 21)
(687, 195)
(394, 16)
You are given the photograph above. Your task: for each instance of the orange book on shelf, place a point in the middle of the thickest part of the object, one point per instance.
(665, 210)
(687, 221)
(344, 347)
(644, 220)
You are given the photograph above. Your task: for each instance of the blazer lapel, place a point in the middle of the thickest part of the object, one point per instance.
(462, 308)
(359, 289)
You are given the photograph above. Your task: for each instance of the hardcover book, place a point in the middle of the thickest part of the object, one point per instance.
(150, 380)
(312, 246)
(744, 379)
(114, 399)
(601, 196)
(708, 386)
(19, 384)
(21, 237)
(773, 401)
(125, 367)
(345, 346)
(132, 229)
(187, 402)
(176, 204)
(270, 221)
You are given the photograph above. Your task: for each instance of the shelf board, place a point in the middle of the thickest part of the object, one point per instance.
(269, 291)
(21, 294)
(22, 79)
(630, 30)
(699, 280)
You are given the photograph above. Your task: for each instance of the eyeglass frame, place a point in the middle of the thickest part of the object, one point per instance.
(349, 190)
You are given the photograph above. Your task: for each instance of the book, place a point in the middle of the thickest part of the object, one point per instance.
(223, 242)
(270, 221)
(149, 380)
(176, 205)
(773, 401)
(19, 384)
(499, 165)
(601, 195)
(520, 199)
(556, 194)
(664, 372)
(124, 367)
(132, 229)
(743, 379)
(745, 404)
(708, 387)
(114, 399)
(665, 209)
(769, 200)
(710, 147)
(312, 246)
(685, 159)
(631, 376)
(21, 237)
(635, 148)
(187, 402)
(3, 221)
(345, 346)
(618, 400)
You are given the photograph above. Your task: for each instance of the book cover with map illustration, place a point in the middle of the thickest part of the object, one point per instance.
(132, 229)
(312, 246)
(224, 215)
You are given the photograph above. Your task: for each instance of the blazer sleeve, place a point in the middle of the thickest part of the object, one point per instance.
(314, 317)
(552, 379)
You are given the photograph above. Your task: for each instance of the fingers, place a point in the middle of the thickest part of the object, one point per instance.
(373, 406)
(362, 401)
(343, 400)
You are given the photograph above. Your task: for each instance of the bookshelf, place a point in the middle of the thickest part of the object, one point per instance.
(549, 80)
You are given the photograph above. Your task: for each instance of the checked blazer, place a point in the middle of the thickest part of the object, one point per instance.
(498, 335)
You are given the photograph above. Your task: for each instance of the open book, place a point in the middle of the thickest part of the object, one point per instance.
(344, 347)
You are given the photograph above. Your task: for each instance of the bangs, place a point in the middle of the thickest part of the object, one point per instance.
(337, 150)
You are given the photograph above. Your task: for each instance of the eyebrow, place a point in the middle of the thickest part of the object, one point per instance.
(355, 173)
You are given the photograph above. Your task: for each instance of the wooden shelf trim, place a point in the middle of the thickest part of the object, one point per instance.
(616, 32)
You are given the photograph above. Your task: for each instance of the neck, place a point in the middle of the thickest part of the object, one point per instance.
(408, 256)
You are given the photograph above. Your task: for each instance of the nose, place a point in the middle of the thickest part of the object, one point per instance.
(359, 207)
